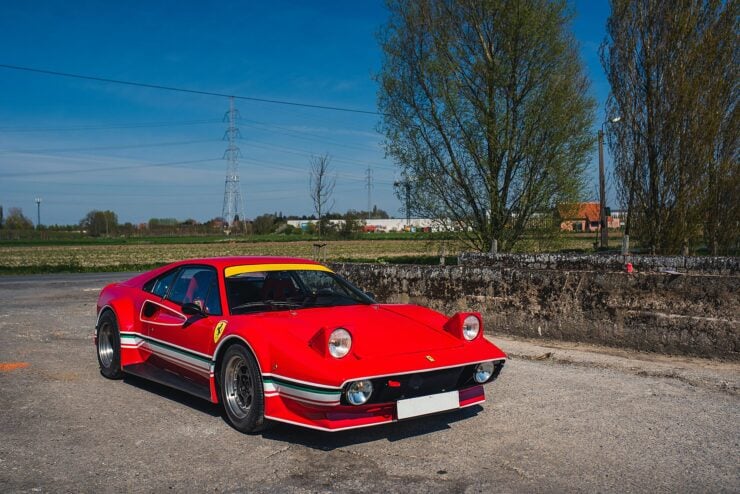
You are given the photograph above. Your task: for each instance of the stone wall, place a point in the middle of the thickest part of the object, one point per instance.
(607, 262)
(658, 312)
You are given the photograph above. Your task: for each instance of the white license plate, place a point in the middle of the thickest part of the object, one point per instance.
(424, 405)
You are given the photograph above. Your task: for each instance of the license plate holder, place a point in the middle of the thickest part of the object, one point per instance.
(424, 405)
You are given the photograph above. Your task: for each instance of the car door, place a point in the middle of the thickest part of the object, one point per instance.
(182, 344)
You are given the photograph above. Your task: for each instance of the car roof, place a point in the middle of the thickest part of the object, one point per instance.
(220, 263)
(225, 262)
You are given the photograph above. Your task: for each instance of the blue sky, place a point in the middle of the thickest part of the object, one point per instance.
(82, 145)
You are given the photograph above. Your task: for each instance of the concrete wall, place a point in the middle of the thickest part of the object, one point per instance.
(667, 313)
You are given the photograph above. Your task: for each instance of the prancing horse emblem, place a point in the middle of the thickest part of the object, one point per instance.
(218, 330)
(430, 358)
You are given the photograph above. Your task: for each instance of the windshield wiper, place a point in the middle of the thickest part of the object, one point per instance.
(271, 304)
(311, 298)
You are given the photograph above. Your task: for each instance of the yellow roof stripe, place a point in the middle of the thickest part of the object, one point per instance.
(256, 268)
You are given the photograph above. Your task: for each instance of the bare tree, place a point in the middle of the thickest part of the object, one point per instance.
(321, 185)
(485, 104)
(673, 71)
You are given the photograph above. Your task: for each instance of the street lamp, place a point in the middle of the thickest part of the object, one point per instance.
(38, 212)
(602, 186)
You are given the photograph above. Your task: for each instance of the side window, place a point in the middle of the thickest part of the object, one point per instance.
(199, 286)
(213, 299)
(159, 286)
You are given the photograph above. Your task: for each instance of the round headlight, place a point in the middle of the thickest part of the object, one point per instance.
(340, 341)
(471, 327)
(359, 392)
(483, 372)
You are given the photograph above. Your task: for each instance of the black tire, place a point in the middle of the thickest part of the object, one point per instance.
(241, 391)
(109, 346)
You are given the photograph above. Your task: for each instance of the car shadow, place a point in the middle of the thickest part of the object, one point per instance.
(173, 394)
(311, 438)
(395, 431)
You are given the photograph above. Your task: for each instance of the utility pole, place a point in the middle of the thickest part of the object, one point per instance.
(38, 212)
(602, 195)
(626, 236)
(232, 209)
(604, 220)
(369, 185)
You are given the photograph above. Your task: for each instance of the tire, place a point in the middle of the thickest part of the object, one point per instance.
(241, 391)
(109, 346)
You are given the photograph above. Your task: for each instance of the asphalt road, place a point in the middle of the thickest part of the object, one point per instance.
(547, 426)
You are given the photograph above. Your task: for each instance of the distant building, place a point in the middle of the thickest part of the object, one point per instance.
(583, 217)
(383, 225)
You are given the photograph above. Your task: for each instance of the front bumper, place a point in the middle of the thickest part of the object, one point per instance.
(343, 417)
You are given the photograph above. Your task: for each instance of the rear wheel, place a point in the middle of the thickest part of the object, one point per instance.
(241, 390)
(109, 346)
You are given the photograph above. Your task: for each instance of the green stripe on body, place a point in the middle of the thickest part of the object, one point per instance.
(300, 387)
(181, 351)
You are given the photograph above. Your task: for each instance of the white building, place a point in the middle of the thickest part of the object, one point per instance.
(382, 225)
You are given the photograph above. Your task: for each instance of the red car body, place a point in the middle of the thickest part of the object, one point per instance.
(408, 352)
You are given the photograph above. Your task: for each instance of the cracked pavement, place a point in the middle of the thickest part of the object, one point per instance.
(562, 417)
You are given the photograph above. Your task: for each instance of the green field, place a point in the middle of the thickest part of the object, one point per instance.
(85, 254)
(141, 256)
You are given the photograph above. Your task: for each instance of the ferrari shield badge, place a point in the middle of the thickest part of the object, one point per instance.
(218, 331)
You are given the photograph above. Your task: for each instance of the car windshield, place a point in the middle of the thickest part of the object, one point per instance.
(260, 291)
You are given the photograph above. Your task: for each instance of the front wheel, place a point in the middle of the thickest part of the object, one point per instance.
(109, 346)
(241, 390)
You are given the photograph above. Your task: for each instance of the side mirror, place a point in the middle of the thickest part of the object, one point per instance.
(192, 309)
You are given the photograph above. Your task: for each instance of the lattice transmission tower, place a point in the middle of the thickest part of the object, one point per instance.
(233, 207)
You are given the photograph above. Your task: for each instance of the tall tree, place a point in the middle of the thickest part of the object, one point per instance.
(16, 220)
(98, 223)
(321, 185)
(673, 71)
(486, 110)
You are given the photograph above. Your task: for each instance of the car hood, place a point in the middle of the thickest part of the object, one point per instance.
(377, 330)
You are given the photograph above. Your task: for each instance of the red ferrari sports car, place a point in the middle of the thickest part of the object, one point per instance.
(289, 340)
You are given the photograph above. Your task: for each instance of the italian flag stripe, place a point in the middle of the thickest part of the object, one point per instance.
(161, 344)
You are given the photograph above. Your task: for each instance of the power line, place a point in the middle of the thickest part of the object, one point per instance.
(105, 169)
(107, 127)
(304, 152)
(299, 134)
(184, 90)
(107, 148)
(296, 169)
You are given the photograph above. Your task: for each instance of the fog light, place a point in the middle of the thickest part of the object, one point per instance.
(483, 372)
(359, 392)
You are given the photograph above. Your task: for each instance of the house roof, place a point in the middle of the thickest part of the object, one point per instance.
(579, 211)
